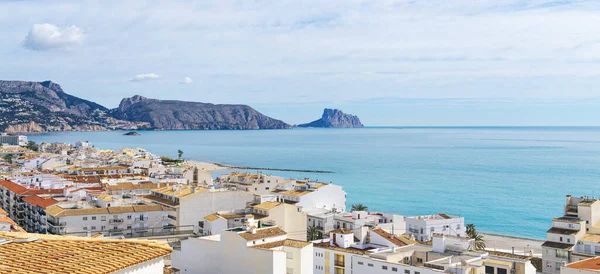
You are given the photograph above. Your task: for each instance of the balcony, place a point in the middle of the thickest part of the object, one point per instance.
(339, 263)
(115, 221)
(141, 219)
(54, 223)
(172, 217)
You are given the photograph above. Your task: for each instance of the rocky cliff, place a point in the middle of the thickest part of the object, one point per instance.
(44, 106)
(171, 114)
(335, 118)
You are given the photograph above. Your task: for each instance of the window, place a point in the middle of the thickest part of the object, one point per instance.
(394, 269)
(558, 265)
(129, 227)
(93, 228)
(266, 188)
(339, 271)
(103, 218)
(103, 228)
(85, 218)
(501, 270)
(339, 260)
(370, 265)
(85, 228)
(406, 271)
(384, 267)
(361, 263)
(568, 240)
(128, 217)
(489, 270)
(562, 254)
(93, 218)
(560, 239)
(417, 272)
(419, 260)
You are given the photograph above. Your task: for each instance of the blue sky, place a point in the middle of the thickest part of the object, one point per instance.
(435, 62)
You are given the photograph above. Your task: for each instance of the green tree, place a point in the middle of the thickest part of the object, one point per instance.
(359, 207)
(473, 234)
(470, 230)
(31, 145)
(8, 158)
(312, 233)
(179, 153)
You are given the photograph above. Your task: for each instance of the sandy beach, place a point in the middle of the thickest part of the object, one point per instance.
(208, 167)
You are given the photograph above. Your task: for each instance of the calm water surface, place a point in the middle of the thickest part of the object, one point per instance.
(504, 180)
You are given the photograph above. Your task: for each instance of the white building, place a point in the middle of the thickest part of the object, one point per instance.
(245, 250)
(15, 140)
(257, 183)
(188, 204)
(310, 194)
(133, 220)
(423, 227)
(288, 217)
(573, 237)
(448, 254)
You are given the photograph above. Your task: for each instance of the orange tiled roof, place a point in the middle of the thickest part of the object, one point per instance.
(592, 264)
(263, 233)
(398, 241)
(33, 191)
(38, 201)
(70, 254)
(16, 188)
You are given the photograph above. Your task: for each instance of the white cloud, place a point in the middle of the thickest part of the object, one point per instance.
(49, 37)
(144, 77)
(187, 80)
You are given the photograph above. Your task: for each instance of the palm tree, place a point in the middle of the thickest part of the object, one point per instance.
(479, 242)
(470, 230)
(312, 233)
(359, 207)
(179, 153)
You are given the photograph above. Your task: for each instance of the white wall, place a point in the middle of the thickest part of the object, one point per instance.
(231, 256)
(370, 266)
(193, 208)
(328, 196)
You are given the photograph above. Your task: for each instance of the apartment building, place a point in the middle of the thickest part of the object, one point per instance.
(189, 204)
(12, 195)
(573, 237)
(133, 220)
(35, 213)
(311, 194)
(423, 227)
(447, 254)
(257, 183)
(41, 253)
(288, 217)
(247, 249)
(13, 140)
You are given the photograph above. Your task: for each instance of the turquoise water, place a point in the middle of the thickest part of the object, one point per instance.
(504, 180)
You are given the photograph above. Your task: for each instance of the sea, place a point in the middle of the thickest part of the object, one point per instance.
(505, 180)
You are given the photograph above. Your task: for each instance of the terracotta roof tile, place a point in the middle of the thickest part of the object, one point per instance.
(35, 200)
(69, 254)
(263, 233)
(16, 188)
(287, 242)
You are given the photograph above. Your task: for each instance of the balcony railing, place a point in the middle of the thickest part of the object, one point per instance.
(339, 263)
(115, 221)
(141, 219)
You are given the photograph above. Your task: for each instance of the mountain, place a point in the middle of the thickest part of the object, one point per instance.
(44, 106)
(171, 114)
(335, 118)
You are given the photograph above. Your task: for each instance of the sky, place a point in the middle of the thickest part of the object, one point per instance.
(404, 63)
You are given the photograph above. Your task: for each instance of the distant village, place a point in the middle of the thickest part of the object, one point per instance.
(66, 208)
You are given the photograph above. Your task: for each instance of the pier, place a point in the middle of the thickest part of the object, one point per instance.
(273, 169)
